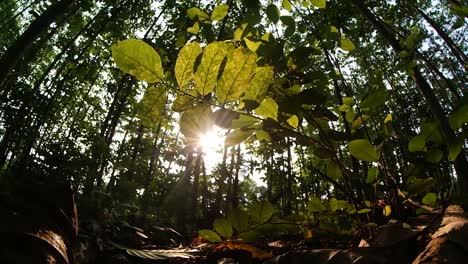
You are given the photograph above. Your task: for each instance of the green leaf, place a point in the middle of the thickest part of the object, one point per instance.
(268, 109)
(184, 68)
(194, 29)
(240, 67)
(387, 210)
(288, 21)
(261, 212)
(139, 59)
(459, 117)
(417, 143)
(239, 220)
(319, 3)
(315, 205)
(350, 116)
(364, 211)
(152, 106)
(347, 45)
(374, 99)
(344, 107)
(348, 101)
(219, 12)
(262, 135)
(287, 5)
(387, 119)
(223, 227)
(184, 102)
(273, 13)
(293, 121)
(338, 204)
(252, 45)
(206, 75)
(196, 122)
(372, 174)
(244, 121)
(333, 170)
(362, 149)
(209, 235)
(455, 149)
(197, 13)
(429, 198)
(237, 136)
(259, 84)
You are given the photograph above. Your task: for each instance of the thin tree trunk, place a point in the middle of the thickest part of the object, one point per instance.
(235, 184)
(34, 31)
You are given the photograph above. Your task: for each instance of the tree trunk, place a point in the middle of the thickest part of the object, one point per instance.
(235, 184)
(34, 31)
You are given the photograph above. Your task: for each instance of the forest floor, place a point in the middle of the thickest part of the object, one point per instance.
(436, 237)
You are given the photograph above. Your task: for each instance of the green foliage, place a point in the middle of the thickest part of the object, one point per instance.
(219, 12)
(184, 68)
(268, 109)
(207, 72)
(362, 149)
(139, 59)
(195, 122)
(223, 227)
(209, 235)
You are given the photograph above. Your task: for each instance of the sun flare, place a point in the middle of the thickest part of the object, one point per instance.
(211, 141)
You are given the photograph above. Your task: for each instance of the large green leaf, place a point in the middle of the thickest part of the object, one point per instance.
(244, 121)
(273, 13)
(333, 170)
(237, 136)
(338, 204)
(139, 59)
(184, 68)
(239, 219)
(209, 235)
(362, 149)
(417, 143)
(207, 72)
(429, 198)
(372, 174)
(219, 12)
(186, 101)
(223, 227)
(347, 45)
(375, 99)
(196, 122)
(261, 211)
(259, 84)
(315, 205)
(268, 109)
(152, 106)
(240, 67)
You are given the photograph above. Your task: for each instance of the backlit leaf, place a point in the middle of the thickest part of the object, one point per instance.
(184, 68)
(387, 119)
(139, 59)
(152, 106)
(196, 122)
(261, 211)
(244, 121)
(287, 5)
(315, 205)
(337, 204)
(374, 99)
(219, 12)
(262, 135)
(209, 235)
(240, 67)
(194, 29)
(362, 149)
(350, 115)
(293, 121)
(268, 109)
(223, 227)
(333, 170)
(185, 101)
(197, 13)
(252, 45)
(364, 211)
(237, 136)
(258, 86)
(429, 198)
(207, 72)
(387, 210)
(239, 219)
(319, 3)
(347, 45)
(348, 101)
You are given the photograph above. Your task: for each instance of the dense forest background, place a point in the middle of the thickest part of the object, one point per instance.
(353, 109)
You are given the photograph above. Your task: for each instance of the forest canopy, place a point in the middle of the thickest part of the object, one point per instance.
(178, 113)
